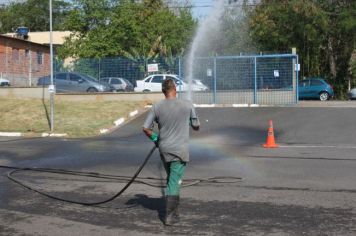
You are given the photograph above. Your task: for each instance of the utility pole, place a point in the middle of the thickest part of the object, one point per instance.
(51, 88)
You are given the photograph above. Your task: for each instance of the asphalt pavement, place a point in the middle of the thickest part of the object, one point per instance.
(307, 186)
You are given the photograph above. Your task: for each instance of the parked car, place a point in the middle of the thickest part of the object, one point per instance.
(74, 82)
(4, 82)
(352, 94)
(118, 84)
(198, 85)
(153, 83)
(315, 88)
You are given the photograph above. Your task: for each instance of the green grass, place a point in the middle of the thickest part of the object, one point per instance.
(77, 119)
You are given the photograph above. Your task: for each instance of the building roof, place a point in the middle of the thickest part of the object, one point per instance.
(58, 37)
(22, 40)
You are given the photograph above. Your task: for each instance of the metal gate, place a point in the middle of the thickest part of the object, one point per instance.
(257, 79)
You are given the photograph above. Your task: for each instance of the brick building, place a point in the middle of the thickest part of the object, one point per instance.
(23, 62)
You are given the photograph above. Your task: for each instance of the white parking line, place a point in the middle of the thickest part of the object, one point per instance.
(317, 146)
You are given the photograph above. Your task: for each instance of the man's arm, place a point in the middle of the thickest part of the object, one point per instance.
(147, 126)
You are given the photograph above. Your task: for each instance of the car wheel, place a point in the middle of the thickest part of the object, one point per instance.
(323, 96)
(146, 90)
(92, 90)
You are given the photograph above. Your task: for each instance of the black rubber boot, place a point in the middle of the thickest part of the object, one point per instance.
(172, 213)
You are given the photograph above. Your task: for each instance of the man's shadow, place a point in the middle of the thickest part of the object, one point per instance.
(155, 204)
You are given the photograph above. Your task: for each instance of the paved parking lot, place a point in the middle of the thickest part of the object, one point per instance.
(305, 187)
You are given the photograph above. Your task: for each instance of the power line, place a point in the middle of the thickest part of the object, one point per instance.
(208, 6)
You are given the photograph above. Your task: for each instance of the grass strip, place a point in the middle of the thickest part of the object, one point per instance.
(76, 118)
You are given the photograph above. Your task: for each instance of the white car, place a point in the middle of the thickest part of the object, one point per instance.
(153, 83)
(4, 82)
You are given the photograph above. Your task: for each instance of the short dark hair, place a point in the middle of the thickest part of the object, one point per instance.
(168, 85)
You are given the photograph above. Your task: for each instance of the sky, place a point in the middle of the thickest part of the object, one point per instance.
(201, 8)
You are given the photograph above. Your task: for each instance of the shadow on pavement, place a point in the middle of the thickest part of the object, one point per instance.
(153, 204)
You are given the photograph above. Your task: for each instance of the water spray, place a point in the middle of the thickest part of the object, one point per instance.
(206, 27)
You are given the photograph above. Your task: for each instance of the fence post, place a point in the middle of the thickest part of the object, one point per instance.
(295, 70)
(180, 76)
(30, 67)
(99, 69)
(297, 81)
(214, 96)
(179, 67)
(255, 79)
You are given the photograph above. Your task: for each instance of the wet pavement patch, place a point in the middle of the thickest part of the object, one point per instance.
(143, 213)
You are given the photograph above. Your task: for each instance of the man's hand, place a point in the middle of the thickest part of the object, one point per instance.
(195, 124)
(151, 135)
(154, 138)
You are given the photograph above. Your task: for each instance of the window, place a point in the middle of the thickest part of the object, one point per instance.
(176, 81)
(148, 79)
(74, 77)
(316, 83)
(105, 80)
(115, 81)
(61, 76)
(304, 83)
(128, 82)
(39, 58)
(15, 54)
(157, 79)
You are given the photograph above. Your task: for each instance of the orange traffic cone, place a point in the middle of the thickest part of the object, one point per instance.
(270, 137)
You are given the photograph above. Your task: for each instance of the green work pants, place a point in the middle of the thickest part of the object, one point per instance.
(175, 171)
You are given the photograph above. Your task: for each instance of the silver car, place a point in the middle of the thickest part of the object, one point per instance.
(74, 82)
(118, 84)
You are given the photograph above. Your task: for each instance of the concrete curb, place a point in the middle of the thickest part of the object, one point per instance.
(116, 123)
(11, 134)
(19, 134)
(134, 113)
(232, 105)
(53, 135)
(120, 121)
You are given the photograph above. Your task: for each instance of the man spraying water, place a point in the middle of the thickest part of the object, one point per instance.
(173, 117)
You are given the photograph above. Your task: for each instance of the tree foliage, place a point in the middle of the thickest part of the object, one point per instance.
(322, 31)
(33, 14)
(113, 28)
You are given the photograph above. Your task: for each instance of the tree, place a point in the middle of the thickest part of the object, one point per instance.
(33, 14)
(340, 41)
(104, 28)
(323, 32)
(280, 25)
(92, 35)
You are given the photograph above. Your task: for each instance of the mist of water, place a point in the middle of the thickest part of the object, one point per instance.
(207, 28)
(224, 31)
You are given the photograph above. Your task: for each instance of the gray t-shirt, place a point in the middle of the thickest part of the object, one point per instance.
(173, 117)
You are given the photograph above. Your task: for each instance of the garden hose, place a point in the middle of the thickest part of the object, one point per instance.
(134, 178)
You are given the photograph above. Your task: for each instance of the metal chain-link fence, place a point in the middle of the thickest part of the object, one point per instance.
(258, 79)
(252, 79)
